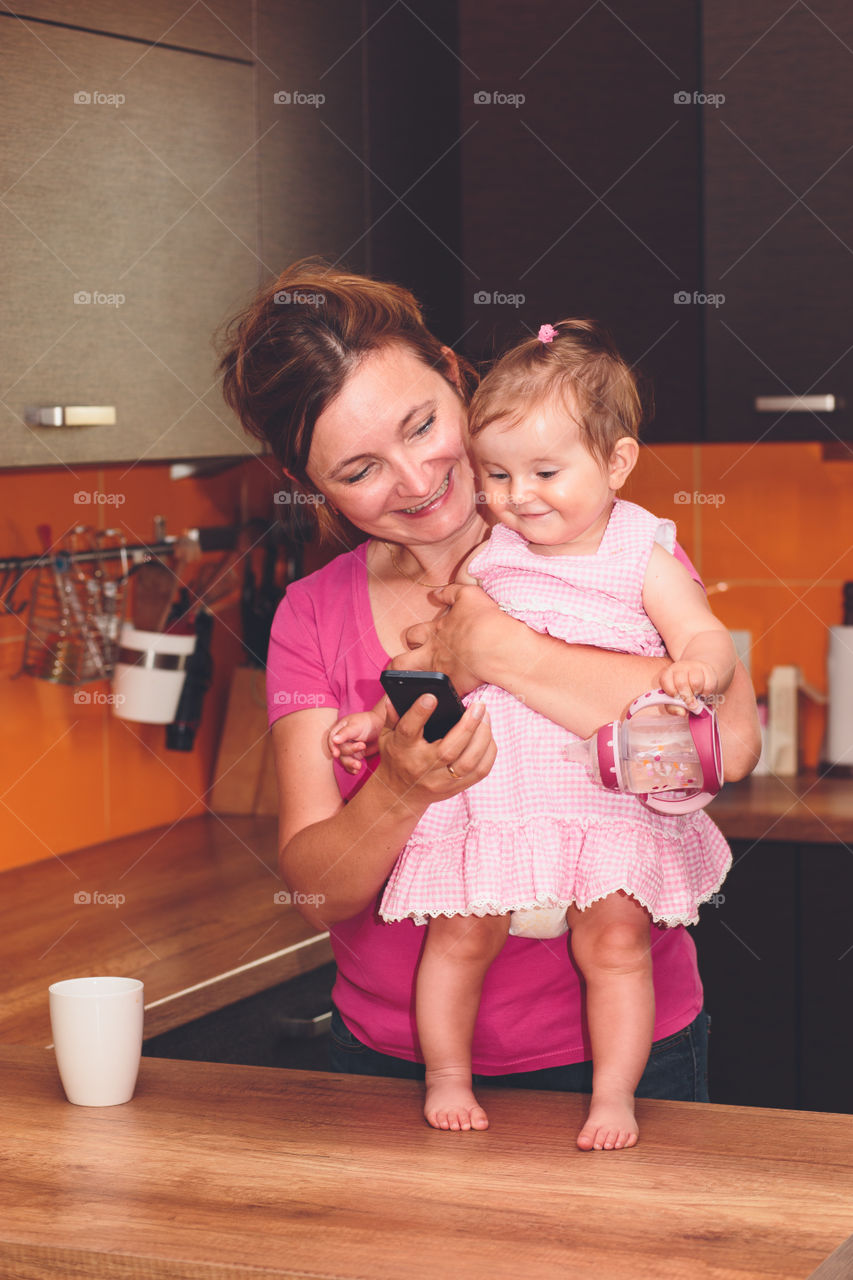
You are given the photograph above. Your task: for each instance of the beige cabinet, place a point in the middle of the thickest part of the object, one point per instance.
(312, 151)
(128, 233)
(160, 162)
(222, 27)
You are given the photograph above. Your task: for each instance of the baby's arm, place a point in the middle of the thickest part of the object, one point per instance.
(355, 736)
(463, 577)
(703, 654)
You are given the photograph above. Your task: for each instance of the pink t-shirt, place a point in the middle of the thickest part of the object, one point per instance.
(324, 652)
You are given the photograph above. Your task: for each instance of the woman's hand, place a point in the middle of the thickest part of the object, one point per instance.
(420, 772)
(453, 641)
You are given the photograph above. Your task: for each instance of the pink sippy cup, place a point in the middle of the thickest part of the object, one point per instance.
(674, 763)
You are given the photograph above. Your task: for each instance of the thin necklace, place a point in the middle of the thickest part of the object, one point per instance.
(433, 586)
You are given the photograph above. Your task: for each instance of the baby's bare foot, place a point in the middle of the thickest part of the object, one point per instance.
(450, 1104)
(610, 1125)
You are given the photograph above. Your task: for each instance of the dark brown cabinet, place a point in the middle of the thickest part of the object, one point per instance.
(286, 1026)
(685, 173)
(581, 183)
(778, 162)
(776, 959)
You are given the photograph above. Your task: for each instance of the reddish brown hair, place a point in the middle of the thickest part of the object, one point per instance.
(287, 356)
(580, 364)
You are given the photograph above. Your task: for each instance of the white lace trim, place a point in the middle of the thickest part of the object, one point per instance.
(423, 916)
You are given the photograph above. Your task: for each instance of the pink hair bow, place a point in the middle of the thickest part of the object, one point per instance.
(547, 333)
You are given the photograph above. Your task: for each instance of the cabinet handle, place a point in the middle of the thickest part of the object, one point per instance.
(304, 1028)
(795, 404)
(71, 415)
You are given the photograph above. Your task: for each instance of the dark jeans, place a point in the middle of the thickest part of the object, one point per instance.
(677, 1068)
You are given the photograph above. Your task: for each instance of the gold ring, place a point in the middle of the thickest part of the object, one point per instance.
(452, 772)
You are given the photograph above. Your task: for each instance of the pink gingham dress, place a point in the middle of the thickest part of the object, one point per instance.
(537, 832)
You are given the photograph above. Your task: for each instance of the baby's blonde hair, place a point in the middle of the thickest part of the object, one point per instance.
(580, 364)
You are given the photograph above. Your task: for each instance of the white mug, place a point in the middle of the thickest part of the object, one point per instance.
(97, 1037)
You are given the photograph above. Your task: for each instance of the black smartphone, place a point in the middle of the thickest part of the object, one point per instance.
(405, 687)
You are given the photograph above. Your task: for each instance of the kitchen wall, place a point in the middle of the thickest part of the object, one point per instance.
(71, 773)
(770, 521)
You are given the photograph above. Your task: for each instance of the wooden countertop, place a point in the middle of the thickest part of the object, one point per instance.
(190, 909)
(804, 808)
(239, 1172)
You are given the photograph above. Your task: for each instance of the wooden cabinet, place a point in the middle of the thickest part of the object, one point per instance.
(161, 162)
(826, 897)
(311, 163)
(747, 946)
(286, 1026)
(778, 232)
(128, 236)
(219, 27)
(581, 182)
(683, 172)
(415, 149)
(776, 959)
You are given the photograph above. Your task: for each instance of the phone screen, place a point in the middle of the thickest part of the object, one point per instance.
(405, 687)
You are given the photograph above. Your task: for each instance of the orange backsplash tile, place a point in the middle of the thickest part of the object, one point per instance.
(771, 522)
(769, 528)
(73, 773)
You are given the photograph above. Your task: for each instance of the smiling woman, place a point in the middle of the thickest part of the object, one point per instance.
(291, 354)
(366, 409)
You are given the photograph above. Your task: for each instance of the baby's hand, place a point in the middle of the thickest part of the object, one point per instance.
(689, 680)
(350, 739)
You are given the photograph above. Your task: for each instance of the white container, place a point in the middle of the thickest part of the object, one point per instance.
(783, 687)
(839, 726)
(149, 675)
(742, 641)
(97, 1036)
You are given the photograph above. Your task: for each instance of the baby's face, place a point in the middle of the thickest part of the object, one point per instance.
(540, 479)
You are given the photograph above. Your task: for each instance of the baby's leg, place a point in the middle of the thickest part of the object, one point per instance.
(610, 942)
(457, 954)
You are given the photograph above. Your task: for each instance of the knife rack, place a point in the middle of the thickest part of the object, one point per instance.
(14, 569)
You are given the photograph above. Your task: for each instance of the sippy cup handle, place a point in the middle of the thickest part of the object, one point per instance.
(657, 698)
(706, 739)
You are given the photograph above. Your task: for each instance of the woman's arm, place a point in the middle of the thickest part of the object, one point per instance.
(577, 686)
(337, 856)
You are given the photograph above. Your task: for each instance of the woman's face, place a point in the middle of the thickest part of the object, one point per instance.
(389, 451)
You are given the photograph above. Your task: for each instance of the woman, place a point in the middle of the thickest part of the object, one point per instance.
(365, 411)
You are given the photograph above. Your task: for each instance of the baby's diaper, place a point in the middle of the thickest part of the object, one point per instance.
(538, 922)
